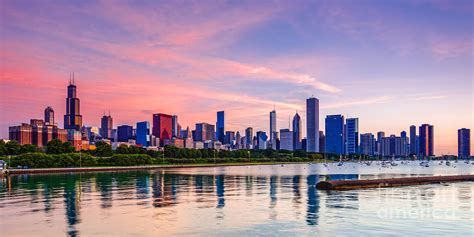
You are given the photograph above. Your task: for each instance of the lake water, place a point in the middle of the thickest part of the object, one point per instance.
(264, 200)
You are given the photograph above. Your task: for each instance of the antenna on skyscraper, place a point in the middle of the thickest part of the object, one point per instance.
(69, 78)
(73, 82)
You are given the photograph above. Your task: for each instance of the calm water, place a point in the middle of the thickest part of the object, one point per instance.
(236, 201)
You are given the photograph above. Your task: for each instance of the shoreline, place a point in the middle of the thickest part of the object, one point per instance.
(10, 172)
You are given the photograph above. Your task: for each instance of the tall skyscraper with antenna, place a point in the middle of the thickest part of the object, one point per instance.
(73, 117)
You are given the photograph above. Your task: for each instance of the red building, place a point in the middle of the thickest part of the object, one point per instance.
(162, 127)
(21, 133)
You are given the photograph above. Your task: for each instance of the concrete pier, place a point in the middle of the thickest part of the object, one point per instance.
(393, 182)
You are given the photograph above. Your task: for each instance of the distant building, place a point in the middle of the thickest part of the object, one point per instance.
(49, 116)
(248, 136)
(367, 143)
(322, 142)
(142, 134)
(273, 127)
(379, 143)
(297, 132)
(36, 133)
(220, 126)
(22, 133)
(464, 143)
(229, 137)
(413, 146)
(124, 133)
(405, 146)
(162, 127)
(73, 117)
(261, 140)
(312, 125)
(174, 124)
(352, 135)
(286, 139)
(205, 132)
(334, 125)
(75, 138)
(188, 138)
(426, 136)
(106, 126)
(237, 139)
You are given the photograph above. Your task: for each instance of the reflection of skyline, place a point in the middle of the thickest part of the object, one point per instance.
(278, 197)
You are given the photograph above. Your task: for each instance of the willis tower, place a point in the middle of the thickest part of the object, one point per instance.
(73, 117)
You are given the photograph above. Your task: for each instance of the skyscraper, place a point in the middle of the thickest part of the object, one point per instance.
(143, 133)
(322, 142)
(73, 117)
(220, 126)
(352, 135)
(312, 125)
(367, 142)
(162, 127)
(106, 126)
(49, 115)
(413, 150)
(229, 137)
(286, 139)
(175, 130)
(124, 133)
(205, 132)
(273, 124)
(464, 143)
(405, 148)
(426, 140)
(248, 136)
(334, 125)
(379, 143)
(296, 132)
(261, 140)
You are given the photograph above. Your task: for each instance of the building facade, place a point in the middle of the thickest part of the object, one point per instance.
(297, 132)
(286, 140)
(367, 144)
(334, 125)
(73, 117)
(106, 127)
(426, 136)
(464, 143)
(220, 126)
(312, 125)
(205, 132)
(124, 133)
(273, 128)
(352, 136)
(162, 127)
(49, 116)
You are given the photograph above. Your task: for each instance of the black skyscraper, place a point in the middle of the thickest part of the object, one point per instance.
(73, 117)
(49, 115)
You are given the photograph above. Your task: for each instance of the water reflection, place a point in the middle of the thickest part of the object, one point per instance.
(193, 200)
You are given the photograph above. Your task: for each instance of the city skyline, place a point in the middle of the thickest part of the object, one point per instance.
(135, 77)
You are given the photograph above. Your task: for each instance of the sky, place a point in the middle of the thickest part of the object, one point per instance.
(389, 63)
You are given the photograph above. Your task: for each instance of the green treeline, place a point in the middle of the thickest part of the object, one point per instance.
(57, 154)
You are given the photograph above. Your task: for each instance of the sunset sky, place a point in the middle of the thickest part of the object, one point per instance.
(389, 63)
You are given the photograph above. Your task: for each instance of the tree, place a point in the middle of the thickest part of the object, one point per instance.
(27, 148)
(68, 148)
(103, 149)
(122, 149)
(3, 148)
(55, 146)
(13, 148)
